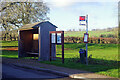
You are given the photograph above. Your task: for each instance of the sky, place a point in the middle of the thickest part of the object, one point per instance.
(65, 13)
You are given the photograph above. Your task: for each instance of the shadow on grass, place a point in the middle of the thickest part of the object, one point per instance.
(58, 54)
(13, 54)
(8, 46)
(9, 54)
(95, 65)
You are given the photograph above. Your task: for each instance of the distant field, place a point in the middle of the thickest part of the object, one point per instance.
(91, 33)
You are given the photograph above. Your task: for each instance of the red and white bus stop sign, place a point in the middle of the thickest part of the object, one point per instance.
(82, 20)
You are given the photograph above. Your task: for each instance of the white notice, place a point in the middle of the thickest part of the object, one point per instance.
(53, 38)
(85, 38)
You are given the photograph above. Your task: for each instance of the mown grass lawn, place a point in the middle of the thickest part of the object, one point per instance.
(104, 58)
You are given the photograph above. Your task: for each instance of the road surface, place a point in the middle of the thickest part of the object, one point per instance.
(9, 71)
(13, 72)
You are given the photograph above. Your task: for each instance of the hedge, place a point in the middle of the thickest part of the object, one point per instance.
(91, 40)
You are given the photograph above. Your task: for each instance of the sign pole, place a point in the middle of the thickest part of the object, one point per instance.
(39, 43)
(86, 43)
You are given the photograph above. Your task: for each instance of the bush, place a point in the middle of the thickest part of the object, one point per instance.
(102, 35)
(97, 40)
(108, 36)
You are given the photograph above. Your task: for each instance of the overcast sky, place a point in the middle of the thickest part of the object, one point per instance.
(65, 13)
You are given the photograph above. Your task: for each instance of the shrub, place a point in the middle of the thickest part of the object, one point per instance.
(102, 35)
(108, 36)
(96, 40)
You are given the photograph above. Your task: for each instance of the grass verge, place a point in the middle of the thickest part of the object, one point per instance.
(104, 58)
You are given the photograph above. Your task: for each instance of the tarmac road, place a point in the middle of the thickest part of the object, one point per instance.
(17, 73)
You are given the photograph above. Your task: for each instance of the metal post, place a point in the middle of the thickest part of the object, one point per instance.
(39, 43)
(50, 46)
(86, 43)
(18, 43)
(62, 36)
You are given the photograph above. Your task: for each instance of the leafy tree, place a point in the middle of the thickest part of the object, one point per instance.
(14, 15)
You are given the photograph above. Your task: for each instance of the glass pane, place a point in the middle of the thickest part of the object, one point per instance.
(59, 38)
